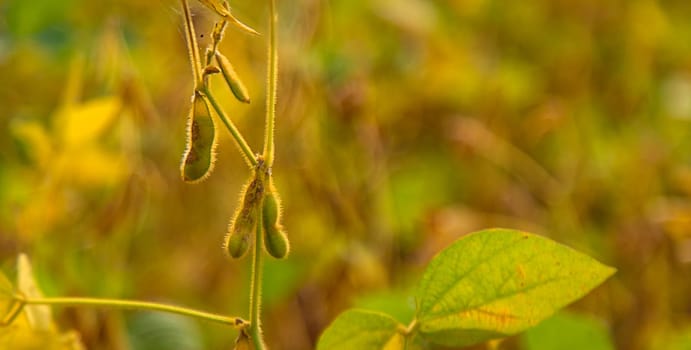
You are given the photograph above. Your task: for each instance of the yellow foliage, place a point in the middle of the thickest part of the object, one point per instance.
(84, 123)
(33, 328)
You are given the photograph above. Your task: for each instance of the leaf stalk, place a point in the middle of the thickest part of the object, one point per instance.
(236, 322)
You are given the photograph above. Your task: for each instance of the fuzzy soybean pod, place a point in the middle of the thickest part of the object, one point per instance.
(200, 156)
(275, 239)
(239, 237)
(232, 78)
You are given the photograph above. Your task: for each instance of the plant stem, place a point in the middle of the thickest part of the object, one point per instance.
(412, 327)
(134, 304)
(192, 47)
(13, 310)
(409, 333)
(272, 76)
(217, 36)
(256, 287)
(239, 140)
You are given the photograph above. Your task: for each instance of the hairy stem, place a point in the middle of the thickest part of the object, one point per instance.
(272, 76)
(256, 287)
(140, 305)
(217, 36)
(234, 132)
(192, 47)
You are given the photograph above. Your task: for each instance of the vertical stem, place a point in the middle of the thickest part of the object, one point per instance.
(272, 76)
(192, 47)
(257, 256)
(256, 287)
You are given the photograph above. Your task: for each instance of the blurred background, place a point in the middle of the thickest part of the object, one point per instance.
(402, 125)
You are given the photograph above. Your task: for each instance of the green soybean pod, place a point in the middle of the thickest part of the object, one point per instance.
(232, 78)
(275, 239)
(271, 208)
(238, 239)
(276, 242)
(200, 156)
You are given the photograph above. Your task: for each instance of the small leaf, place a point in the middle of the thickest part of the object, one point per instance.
(499, 282)
(216, 6)
(360, 329)
(224, 12)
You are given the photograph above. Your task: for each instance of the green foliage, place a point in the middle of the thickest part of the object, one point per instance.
(491, 284)
(498, 282)
(568, 331)
(360, 329)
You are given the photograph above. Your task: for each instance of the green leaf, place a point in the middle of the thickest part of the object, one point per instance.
(499, 282)
(568, 331)
(360, 329)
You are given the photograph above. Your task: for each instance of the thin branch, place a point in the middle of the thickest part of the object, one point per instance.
(236, 322)
(234, 132)
(272, 76)
(192, 47)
